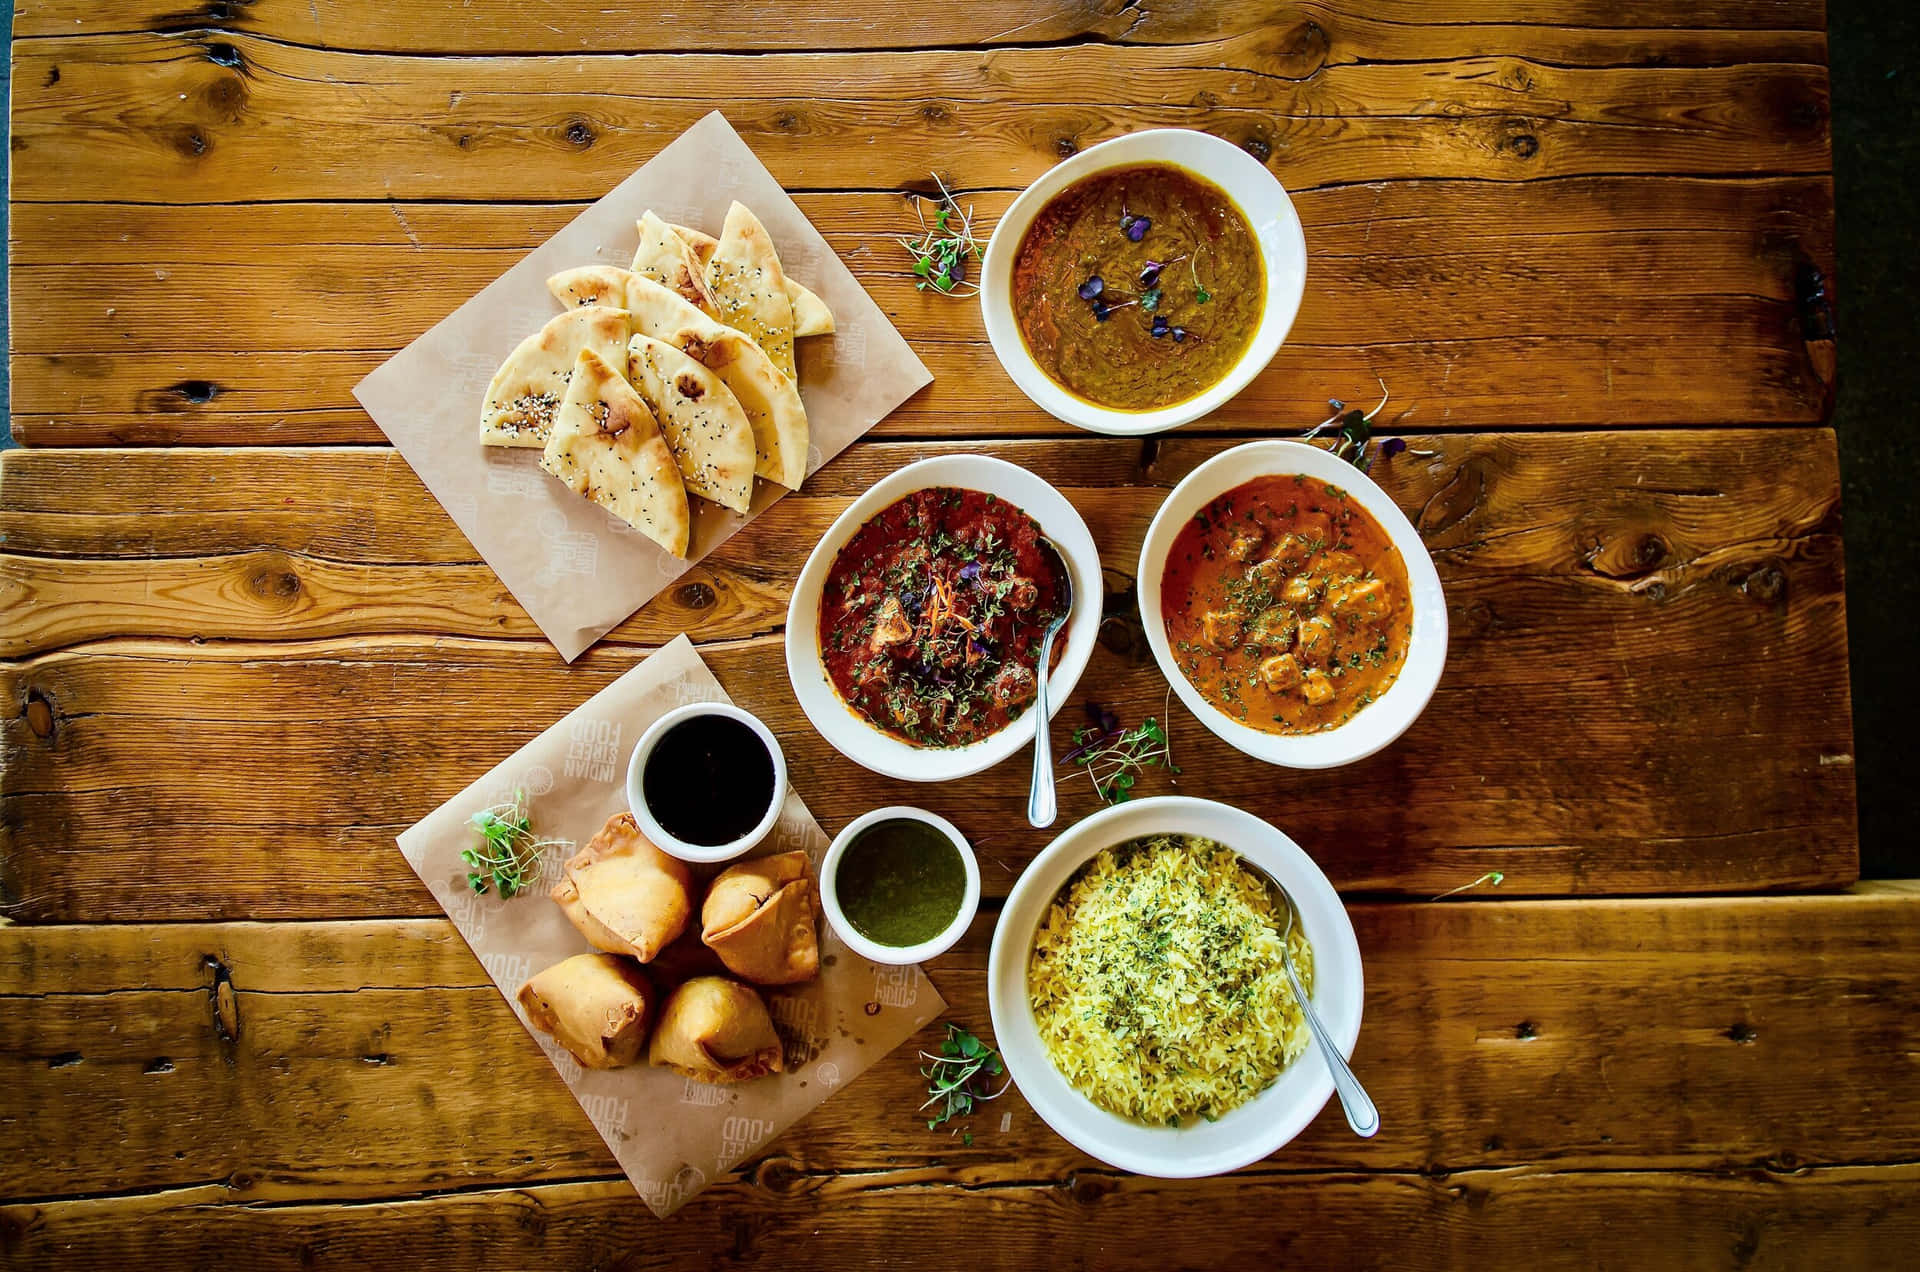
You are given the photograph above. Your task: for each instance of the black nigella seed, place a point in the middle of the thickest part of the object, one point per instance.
(1092, 287)
(1138, 229)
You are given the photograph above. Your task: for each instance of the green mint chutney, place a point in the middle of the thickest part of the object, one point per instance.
(901, 882)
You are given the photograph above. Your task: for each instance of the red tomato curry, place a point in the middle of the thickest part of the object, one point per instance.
(1286, 605)
(932, 616)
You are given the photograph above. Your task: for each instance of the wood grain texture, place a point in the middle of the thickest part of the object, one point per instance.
(1561, 30)
(1477, 303)
(357, 1058)
(189, 119)
(1576, 1221)
(1643, 675)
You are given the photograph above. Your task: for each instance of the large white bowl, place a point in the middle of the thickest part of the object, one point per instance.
(1381, 721)
(1262, 1124)
(1257, 193)
(849, 732)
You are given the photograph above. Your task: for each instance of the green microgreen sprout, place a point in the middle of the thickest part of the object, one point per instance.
(1356, 430)
(1493, 879)
(959, 1076)
(508, 855)
(944, 246)
(1114, 757)
(1200, 293)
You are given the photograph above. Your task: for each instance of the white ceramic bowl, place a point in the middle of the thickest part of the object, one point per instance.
(1262, 1124)
(1375, 725)
(898, 955)
(849, 732)
(665, 840)
(1259, 196)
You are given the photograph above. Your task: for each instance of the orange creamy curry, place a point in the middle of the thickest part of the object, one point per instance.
(1286, 605)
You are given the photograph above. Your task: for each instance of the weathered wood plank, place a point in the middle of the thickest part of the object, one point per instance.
(913, 1218)
(1709, 244)
(1492, 304)
(183, 119)
(1556, 30)
(1493, 1040)
(1644, 675)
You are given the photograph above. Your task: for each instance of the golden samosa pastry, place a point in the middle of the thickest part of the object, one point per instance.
(716, 1030)
(624, 894)
(758, 918)
(595, 1005)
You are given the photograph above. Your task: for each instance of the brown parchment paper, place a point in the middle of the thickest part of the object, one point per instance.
(577, 569)
(670, 1134)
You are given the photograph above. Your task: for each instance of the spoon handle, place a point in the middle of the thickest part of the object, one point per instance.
(1354, 1101)
(1042, 807)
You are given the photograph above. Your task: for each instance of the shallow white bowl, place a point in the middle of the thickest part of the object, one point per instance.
(1262, 1124)
(849, 732)
(664, 839)
(1259, 196)
(1383, 720)
(898, 955)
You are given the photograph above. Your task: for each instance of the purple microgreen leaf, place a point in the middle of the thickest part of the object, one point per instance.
(1136, 228)
(1179, 335)
(1092, 288)
(1392, 446)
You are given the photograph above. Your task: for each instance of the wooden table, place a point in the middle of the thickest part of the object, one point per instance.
(1586, 249)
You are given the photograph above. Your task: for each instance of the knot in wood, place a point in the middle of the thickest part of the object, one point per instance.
(1066, 147)
(274, 585)
(1259, 147)
(38, 713)
(1524, 145)
(1767, 585)
(696, 596)
(580, 134)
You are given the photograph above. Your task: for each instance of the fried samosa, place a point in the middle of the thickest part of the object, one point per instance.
(716, 1030)
(625, 895)
(758, 918)
(597, 1006)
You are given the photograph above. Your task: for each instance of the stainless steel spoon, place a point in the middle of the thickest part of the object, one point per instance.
(1362, 1116)
(1042, 805)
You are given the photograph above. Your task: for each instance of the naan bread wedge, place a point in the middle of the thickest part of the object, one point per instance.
(771, 400)
(607, 445)
(597, 1006)
(665, 257)
(811, 317)
(758, 917)
(716, 1030)
(747, 283)
(705, 425)
(625, 895)
(592, 285)
(530, 385)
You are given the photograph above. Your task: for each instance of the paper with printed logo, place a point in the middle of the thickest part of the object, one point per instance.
(577, 569)
(671, 1135)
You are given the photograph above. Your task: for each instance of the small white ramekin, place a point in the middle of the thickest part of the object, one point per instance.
(897, 955)
(664, 839)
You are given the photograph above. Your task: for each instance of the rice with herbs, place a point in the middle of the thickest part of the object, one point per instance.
(1156, 981)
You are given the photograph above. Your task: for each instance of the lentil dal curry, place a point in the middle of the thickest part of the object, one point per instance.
(1139, 287)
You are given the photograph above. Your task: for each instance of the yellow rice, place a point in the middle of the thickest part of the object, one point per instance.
(1156, 981)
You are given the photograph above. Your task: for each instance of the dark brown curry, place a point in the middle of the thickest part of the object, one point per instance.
(1286, 605)
(1139, 287)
